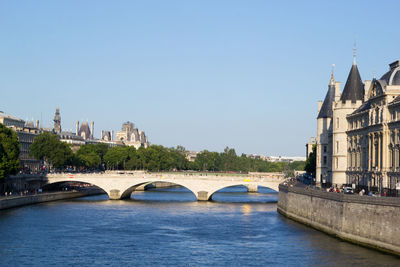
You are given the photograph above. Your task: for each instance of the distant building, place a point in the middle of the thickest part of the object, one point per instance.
(284, 159)
(131, 136)
(310, 145)
(26, 134)
(57, 122)
(275, 158)
(256, 156)
(191, 155)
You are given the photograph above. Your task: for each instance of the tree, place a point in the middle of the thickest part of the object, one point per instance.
(311, 161)
(49, 148)
(116, 157)
(90, 155)
(9, 152)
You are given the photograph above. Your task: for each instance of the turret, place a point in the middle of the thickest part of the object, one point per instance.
(91, 129)
(77, 128)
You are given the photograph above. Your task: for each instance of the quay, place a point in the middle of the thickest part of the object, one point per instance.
(18, 201)
(368, 221)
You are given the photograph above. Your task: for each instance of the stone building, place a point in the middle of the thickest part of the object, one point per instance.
(373, 135)
(26, 133)
(358, 132)
(309, 146)
(131, 136)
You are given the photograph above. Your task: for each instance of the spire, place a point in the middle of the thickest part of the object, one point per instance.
(354, 87)
(332, 81)
(326, 108)
(354, 53)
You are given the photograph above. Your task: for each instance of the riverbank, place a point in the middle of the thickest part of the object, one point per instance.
(363, 220)
(18, 201)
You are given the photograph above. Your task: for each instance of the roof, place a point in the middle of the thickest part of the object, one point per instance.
(365, 106)
(8, 116)
(326, 109)
(354, 88)
(392, 77)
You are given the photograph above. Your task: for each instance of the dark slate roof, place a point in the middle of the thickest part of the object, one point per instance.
(354, 88)
(84, 128)
(363, 107)
(326, 109)
(393, 74)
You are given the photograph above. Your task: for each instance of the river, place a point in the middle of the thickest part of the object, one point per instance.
(167, 227)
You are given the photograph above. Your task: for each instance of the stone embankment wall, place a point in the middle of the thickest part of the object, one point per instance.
(17, 201)
(22, 182)
(364, 220)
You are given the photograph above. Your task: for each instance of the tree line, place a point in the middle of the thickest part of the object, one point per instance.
(59, 155)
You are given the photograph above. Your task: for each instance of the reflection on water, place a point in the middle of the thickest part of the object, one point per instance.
(159, 228)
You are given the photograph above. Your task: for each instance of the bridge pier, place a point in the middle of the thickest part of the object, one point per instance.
(114, 194)
(252, 188)
(202, 196)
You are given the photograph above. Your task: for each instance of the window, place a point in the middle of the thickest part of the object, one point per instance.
(337, 146)
(324, 160)
(324, 149)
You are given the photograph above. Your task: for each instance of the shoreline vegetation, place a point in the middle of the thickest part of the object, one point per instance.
(57, 155)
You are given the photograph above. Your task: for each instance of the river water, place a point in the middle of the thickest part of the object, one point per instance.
(167, 227)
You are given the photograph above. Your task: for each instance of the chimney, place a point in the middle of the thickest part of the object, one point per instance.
(37, 124)
(366, 89)
(337, 91)
(77, 128)
(92, 129)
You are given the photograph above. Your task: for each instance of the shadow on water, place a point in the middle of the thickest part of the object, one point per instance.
(234, 194)
(172, 194)
(239, 194)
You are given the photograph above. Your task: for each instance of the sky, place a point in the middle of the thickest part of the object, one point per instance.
(201, 74)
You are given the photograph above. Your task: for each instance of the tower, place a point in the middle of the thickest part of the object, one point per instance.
(324, 133)
(57, 121)
(91, 130)
(77, 128)
(351, 99)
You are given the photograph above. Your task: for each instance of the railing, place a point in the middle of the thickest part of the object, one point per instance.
(351, 198)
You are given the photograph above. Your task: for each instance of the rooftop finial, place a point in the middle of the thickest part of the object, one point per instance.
(354, 53)
(374, 74)
(333, 74)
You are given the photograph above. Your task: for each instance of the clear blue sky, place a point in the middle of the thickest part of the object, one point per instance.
(202, 74)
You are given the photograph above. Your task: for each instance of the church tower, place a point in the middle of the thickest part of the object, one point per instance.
(57, 121)
(351, 98)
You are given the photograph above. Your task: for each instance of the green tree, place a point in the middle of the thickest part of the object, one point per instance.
(116, 157)
(90, 155)
(310, 165)
(49, 148)
(9, 152)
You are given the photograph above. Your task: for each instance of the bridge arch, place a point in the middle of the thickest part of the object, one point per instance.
(60, 182)
(239, 183)
(126, 193)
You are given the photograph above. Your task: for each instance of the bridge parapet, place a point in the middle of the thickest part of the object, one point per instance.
(121, 185)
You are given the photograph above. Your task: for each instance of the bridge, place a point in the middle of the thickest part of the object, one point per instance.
(120, 185)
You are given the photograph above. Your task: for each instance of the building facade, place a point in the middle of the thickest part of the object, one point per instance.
(358, 135)
(131, 136)
(26, 132)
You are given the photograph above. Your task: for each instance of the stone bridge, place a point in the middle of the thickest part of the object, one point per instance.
(120, 185)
